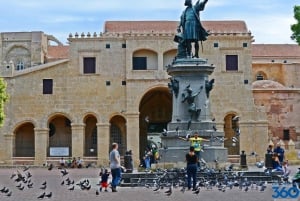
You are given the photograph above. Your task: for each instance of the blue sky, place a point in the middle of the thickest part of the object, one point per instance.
(268, 20)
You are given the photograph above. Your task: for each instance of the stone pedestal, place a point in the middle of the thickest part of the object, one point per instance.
(189, 78)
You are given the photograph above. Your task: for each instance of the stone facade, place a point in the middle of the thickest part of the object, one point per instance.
(96, 96)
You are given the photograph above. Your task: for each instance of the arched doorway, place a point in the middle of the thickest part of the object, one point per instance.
(231, 129)
(155, 114)
(90, 148)
(118, 133)
(60, 136)
(24, 141)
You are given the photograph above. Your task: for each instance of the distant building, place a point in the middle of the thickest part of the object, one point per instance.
(75, 100)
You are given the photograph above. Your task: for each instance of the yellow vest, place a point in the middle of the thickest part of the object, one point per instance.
(196, 143)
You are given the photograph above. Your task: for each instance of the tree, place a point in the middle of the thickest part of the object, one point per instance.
(296, 27)
(3, 99)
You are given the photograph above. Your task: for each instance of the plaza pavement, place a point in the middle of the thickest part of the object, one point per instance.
(60, 192)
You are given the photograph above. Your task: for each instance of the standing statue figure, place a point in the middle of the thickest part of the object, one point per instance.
(190, 99)
(190, 29)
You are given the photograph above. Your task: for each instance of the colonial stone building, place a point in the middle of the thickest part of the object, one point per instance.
(75, 100)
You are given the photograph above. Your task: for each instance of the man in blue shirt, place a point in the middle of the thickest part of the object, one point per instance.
(280, 152)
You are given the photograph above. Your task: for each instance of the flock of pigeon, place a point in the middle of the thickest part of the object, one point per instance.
(22, 180)
(229, 180)
(222, 184)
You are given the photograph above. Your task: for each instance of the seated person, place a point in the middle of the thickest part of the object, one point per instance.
(62, 162)
(286, 170)
(79, 162)
(69, 162)
(74, 163)
(276, 163)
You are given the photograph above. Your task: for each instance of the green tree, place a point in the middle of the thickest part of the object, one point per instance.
(3, 99)
(296, 27)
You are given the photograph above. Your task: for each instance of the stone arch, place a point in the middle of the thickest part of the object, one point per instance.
(53, 115)
(20, 55)
(144, 59)
(87, 114)
(231, 131)
(60, 132)
(118, 133)
(90, 135)
(24, 143)
(31, 121)
(155, 109)
(168, 57)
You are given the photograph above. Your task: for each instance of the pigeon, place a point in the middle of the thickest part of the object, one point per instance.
(26, 168)
(21, 188)
(235, 118)
(64, 172)
(44, 185)
(169, 192)
(71, 188)
(41, 196)
(50, 167)
(157, 188)
(234, 139)
(49, 195)
(197, 191)
(182, 189)
(9, 194)
(13, 175)
(165, 132)
(177, 130)
(3, 189)
(214, 128)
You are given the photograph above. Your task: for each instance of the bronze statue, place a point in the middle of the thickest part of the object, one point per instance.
(174, 86)
(190, 29)
(189, 97)
(209, 86)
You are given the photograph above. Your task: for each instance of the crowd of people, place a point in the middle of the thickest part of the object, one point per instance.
(279, 162)
(71, 163)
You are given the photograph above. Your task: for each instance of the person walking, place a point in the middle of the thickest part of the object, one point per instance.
(115, 166)
(191, 168)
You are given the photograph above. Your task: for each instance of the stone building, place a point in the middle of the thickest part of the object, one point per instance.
(276, 90)
(75, 100)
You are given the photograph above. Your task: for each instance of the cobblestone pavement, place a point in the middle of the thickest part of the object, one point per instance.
(61, 192)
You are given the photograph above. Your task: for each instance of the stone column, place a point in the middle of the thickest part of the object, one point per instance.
(9, 142)
(254, 138)
(40, 145)
(133, 136)
(103, 146)
(78, 140)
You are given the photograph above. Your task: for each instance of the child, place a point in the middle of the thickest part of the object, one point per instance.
(104, 180)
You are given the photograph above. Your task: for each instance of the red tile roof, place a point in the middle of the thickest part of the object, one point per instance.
(171, 26)
(275, 50)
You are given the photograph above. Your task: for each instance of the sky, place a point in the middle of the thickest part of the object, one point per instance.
(268, 20)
